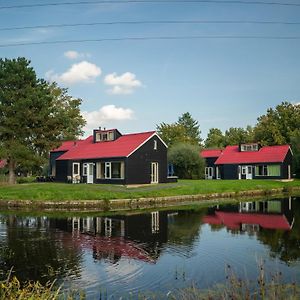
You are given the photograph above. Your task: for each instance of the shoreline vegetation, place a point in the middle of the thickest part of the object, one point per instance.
(268, 285)
(114, 197)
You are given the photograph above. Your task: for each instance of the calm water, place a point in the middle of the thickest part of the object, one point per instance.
(153, 251)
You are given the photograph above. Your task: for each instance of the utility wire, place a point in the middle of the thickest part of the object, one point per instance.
(196, 37)
(67, 3)
(147, 22)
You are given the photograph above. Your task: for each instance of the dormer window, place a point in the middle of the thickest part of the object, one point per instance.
(102, 136)
(249, 147)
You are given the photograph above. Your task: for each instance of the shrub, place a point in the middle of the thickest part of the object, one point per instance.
(186, 160)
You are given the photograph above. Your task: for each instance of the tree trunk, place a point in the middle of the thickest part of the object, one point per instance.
(11, 170)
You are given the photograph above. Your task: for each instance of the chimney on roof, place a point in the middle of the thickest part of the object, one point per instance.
(99, 127)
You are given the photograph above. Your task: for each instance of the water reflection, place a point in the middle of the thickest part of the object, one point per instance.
(253, 216)
(146, 250)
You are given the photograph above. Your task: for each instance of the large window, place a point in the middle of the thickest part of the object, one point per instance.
(110, 170)
(105, 136)
(267, 170)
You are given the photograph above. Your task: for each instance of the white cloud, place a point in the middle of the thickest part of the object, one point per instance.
(123, 84)
(105, 115)
(71, 54)
(81, 72)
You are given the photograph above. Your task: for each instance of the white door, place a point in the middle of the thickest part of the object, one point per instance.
(209, 173)
(248, 172)
(154, 172)
(90, 173)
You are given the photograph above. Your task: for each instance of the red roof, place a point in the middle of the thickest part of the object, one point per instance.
(67, 145)
(266, 154)
(234, 220)
(211, 153)
(121, 147)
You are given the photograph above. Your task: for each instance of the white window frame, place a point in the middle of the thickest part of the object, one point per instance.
(155, 144)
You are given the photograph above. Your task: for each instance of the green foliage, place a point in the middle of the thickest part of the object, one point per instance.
(34, 115)
(295, 144)
(238, 135)
(23, 179)
(186, 160)
(215, 139)
(185, 130)
(192, 128)
(172, 133)
(277, 126)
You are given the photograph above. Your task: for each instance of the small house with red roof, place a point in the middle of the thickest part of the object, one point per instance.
(248, 161)
(108, 156)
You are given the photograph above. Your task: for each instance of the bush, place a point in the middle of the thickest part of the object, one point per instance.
(22, 179)
(187, 162)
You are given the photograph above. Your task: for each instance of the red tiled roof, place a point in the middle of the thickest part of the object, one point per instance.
(67, 145)
(266, 154)
(3, 163)
(121, 147)
(234, 220)
(211, 153)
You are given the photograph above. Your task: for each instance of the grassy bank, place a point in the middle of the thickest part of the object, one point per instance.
(69, 192)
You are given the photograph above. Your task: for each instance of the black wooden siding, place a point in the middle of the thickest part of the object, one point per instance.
(137, 165)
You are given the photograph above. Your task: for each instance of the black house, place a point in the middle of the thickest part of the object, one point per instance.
(107, 156)
(248, 161)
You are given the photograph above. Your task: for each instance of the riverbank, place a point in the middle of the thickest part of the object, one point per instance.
(112, 197)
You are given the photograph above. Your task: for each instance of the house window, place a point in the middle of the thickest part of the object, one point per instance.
(244, 170)
(105, 136)
(76, 169)
(110, 170)
(84, 170)
(249, 147)
(267, 170)
(155, 145)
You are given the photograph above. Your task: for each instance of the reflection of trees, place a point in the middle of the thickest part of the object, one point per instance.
(284, 244)
(35, 252)
(184, 228)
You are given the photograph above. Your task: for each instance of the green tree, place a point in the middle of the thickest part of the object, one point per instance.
(192, 128)
(237, 135)
(172, 133)
(215, 139)
(34, 116)
(186, 160)
(277, 126)
(295, 144)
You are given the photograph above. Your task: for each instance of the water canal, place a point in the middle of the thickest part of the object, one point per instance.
(155, 250)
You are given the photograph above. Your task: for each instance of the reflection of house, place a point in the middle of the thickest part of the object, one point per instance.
(119, 236)
(107, 156)
(248, 161)
(255, 215)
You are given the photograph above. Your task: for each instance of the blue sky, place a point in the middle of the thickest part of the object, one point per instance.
(135, 85)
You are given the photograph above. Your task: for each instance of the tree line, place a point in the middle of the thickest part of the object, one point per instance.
(278, 126)
(36, 116)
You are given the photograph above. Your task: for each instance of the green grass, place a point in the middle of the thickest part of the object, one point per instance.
(68, 192)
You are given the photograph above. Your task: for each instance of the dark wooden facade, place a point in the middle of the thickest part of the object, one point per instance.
(137, 166)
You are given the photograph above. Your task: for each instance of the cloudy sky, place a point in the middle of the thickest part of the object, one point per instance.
(133, 78)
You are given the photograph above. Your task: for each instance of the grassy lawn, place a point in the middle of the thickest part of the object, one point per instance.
(61, 191)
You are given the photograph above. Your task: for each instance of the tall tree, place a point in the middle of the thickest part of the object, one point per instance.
(172, 133)
(277, 126)
(237, 135)
(192, 128)
(34, 116)
(215, 139)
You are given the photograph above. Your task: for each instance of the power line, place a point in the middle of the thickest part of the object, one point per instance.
(148, 22)
(196, 37)
(242, 2)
